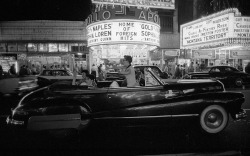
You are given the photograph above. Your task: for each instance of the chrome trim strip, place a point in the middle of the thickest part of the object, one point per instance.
(137, 117)
(71, 119)
(187, 115)
(147, 117)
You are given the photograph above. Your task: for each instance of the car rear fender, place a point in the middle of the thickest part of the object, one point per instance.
(231, 101)
(73, 116)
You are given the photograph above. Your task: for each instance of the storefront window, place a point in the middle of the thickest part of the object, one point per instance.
(2, 47)
(43, 47)
(12, 47)
(63, 47)
(22, 47)
(53, 47)
(74, 47)
(83, 47)
(32, 47)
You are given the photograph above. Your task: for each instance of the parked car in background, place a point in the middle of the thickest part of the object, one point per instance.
(113, 75)
(17, 85)
(63, 107)
(228, 75)
(48, 77)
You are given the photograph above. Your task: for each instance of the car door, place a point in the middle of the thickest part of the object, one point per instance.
(139, 105)
(230, 76)
(216, 72)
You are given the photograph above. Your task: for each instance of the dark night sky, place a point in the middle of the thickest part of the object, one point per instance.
(72, 10)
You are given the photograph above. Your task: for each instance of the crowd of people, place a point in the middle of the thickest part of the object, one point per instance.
(177, 71)
(174, 70)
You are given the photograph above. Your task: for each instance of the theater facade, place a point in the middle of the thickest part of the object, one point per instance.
(118, 30)
(222, 38)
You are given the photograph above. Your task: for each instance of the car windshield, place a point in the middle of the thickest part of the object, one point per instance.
(155, 75)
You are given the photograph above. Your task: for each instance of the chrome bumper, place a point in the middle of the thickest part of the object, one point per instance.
(241, 115)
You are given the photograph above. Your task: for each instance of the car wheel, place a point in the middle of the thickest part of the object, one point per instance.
(238, 82)
(213, 119)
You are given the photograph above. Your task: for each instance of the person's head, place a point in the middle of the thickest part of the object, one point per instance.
(127, 60)
(84, 75)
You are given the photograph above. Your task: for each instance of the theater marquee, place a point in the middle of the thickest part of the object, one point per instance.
(223, 29)
(123, 31)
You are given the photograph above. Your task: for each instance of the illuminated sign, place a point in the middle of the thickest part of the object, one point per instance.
(239, 54)
(171, 52)
(206, 31)
(164, 4)
(123, 31)
(203, 54)
(241, 27)
(225, 28)
(122, 12)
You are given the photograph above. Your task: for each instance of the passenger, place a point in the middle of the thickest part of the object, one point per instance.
(128, 72)
(86, 81)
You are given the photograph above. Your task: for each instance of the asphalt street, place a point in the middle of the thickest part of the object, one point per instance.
(180, 139)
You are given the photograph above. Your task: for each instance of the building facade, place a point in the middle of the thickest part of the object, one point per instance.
(167, 50)
(42, 43)
(222, 38)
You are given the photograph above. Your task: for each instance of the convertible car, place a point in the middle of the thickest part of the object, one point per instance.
(63, 107)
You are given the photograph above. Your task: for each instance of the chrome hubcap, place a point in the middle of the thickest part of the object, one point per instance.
(213, 119)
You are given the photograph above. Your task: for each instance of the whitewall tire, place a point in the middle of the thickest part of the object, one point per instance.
(213, 119)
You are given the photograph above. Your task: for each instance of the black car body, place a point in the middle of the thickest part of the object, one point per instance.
(226, 74)
(50, 76)
(63, 106)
